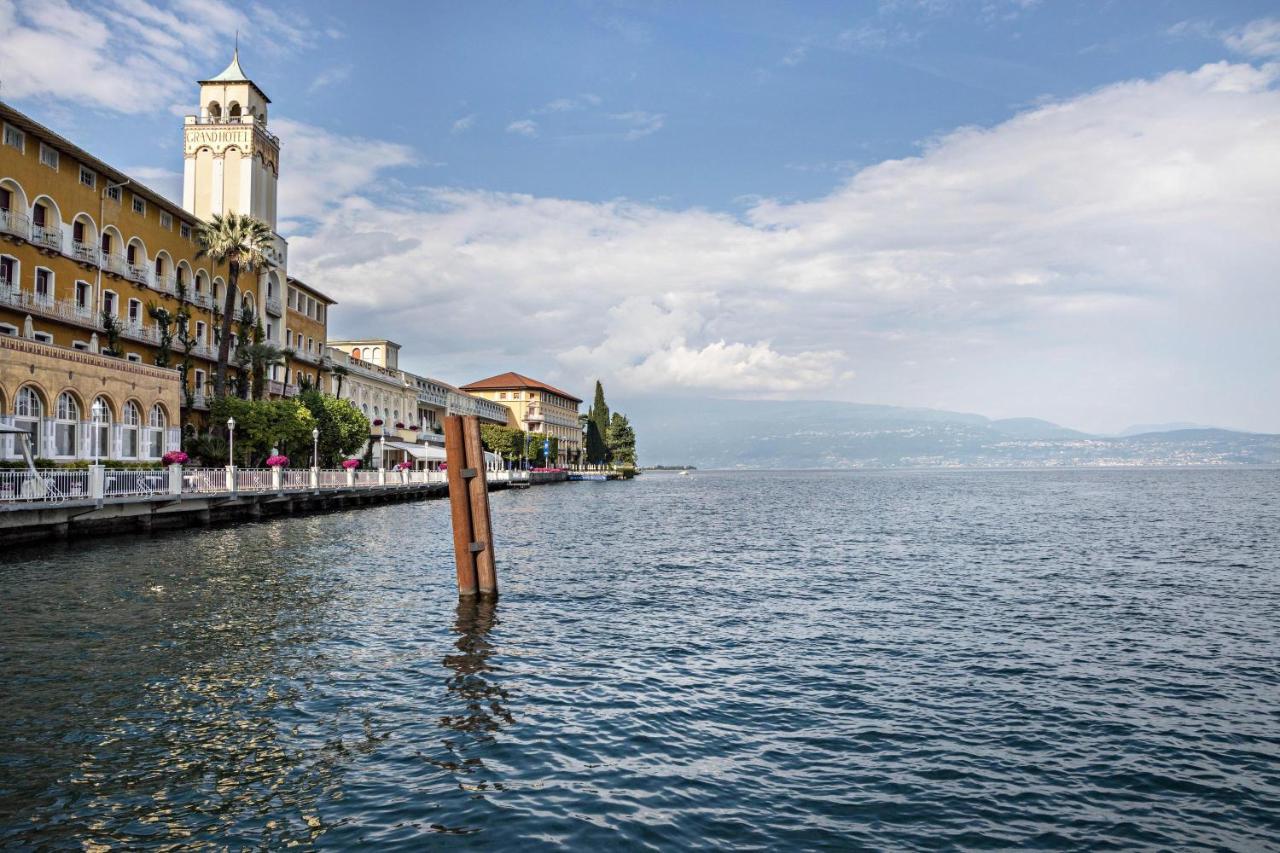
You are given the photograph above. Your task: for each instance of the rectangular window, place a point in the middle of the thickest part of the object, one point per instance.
(88, 178)
(135, 312)
(109, 303)
(199, 380)
(49, 156)
(44, 285)
(113, 193)
(139, 205)
(200, 331)
(84, 295)
(43, 337)
(7, 277)
(133, 356)
(186, 231)
(8, 330)
(83, 346)
(15, 138)
(166, 220)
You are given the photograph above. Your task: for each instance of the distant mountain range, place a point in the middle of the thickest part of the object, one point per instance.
(711, 433)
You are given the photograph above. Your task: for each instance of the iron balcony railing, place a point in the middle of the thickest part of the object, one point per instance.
(49, 236)
(111, 262)
(86, 253)
(165, 281)
(273, 307)
(58, 309)
(137, 272)
(12, 222)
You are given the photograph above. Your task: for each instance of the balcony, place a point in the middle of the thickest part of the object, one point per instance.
(309, 357)
(113, 263)
(14, 223)
(85, 253)
(166, 281)
(137, 273)
(273, 307)
(275, 387)
(291, 390)
(47, 237)
(139, 331)
(199, 400)
(57, 309)
(198, 298)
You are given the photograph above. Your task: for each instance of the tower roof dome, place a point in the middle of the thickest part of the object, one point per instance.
(233, 73)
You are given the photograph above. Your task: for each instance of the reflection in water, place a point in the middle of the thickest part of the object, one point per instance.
(483, 703)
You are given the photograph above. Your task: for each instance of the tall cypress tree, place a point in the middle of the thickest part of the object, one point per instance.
(599, 417)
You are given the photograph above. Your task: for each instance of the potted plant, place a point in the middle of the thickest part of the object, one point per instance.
(278, 461)
(175, 457)
(351, 464)
(377, 421)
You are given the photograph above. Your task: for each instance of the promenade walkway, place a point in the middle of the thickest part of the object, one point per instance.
(65, 503)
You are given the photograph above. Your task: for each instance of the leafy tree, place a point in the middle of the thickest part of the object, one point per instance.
(533, 441)
(242, 243)
(262, 425)
(621, 440)
(507, 442)
(112, 327)
(339, 372)
(597, 450)
(164, 322)
(343, 428)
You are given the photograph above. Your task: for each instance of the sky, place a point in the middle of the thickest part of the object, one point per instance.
(1010, 207)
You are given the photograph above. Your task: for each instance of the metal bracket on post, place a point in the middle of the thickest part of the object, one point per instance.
(468, 473)
(477, 547)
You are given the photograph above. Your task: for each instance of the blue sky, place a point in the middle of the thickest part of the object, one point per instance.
(1005, 206)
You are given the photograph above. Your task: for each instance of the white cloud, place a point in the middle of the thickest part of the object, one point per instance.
(128, 56)
(639, 123)
(323, 169)
(565, 105)
(1259, 39)
(1107, 256)
(330, 77)
(463, 124)
(523, 127)
(796, 55)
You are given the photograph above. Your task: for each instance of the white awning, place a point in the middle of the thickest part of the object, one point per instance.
(431, 453)
(419, 451)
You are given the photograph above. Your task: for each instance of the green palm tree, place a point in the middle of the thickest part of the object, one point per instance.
(241, 242)
(261, 356)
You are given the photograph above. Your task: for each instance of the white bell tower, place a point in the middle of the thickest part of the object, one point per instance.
(231, 161)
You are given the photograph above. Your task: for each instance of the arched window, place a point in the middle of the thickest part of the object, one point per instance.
(67, 427)
(132, 423)
(377, 352)
(157, 421)
(355, 353)
(100, 413)
(233, 111)
(215, 111)
(28, 409)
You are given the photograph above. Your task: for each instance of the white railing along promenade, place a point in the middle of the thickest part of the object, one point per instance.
(129, 482)
(57, 485)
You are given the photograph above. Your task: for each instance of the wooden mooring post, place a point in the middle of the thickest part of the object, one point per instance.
(469, 507)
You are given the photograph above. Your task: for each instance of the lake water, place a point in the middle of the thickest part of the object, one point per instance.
(804, 660)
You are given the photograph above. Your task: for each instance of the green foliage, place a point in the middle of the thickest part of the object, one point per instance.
(540, 460)
(621, 440)
(505, 441)
(207, 449)
(164, 321)
(111, 328)
(343, 428)
(265, 424)
(597, 448)
(242, 243)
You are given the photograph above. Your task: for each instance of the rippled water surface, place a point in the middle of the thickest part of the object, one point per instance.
(894, 660)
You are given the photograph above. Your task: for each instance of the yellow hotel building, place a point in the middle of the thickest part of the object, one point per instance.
(536, 407)
(95, 266)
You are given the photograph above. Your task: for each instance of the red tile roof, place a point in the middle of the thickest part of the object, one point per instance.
(511, 381)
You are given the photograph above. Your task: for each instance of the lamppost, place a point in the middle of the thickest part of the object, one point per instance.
(315, 448)
(382, 451)
(231, 441)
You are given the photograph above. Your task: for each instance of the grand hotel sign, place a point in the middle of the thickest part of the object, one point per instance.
(220, 138)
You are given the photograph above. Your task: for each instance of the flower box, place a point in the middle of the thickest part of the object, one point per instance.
(277, 461)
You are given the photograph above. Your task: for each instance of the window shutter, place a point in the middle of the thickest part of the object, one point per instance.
(117, 441)
(48, 442)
